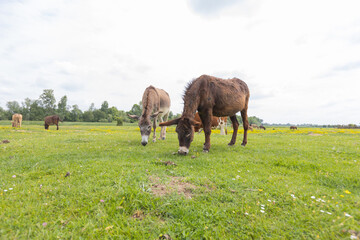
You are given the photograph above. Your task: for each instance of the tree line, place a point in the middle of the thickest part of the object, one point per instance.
(46, 105)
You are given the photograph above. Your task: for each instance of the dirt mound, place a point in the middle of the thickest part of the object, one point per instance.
(176, 185)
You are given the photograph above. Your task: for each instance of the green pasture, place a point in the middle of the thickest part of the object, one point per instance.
(96, 181)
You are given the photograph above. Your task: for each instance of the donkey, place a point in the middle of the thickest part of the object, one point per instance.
(211, 96)
(16, 120)
(52, 120)
(157, 100)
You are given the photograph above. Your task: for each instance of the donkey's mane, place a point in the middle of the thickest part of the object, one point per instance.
(187, 88)
(148, 101)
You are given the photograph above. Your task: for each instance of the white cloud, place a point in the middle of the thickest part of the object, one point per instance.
(296, 56)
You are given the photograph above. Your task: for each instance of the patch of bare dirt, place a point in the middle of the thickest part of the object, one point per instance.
(4, 141)
(354, 234)
(176, 185)
(138, 214)
(168, 163)
(165, 236)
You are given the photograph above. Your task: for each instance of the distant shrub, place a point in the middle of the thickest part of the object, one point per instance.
(119, 121)
(103, 120)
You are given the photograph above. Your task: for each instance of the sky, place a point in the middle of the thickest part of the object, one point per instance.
(300, 59)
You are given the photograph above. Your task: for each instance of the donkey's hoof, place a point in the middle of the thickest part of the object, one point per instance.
(205, 150)
(231, 144)
(154, 140)
(163, 138)
(243, 144)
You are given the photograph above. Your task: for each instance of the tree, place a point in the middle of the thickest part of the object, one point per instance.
(122, 114)
(13, 107)
(88, 116)
(136, 109)
(255, 120)
(36, 111)
(105, 107)
(48, 101)
(99, 115)
(75, 114)
(62, 107)
(26, 108)
(3, 114)
(92, 107)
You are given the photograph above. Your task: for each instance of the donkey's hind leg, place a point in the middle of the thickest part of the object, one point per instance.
(235, 124)
(245, 124)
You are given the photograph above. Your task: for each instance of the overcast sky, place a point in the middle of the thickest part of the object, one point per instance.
(300, 59)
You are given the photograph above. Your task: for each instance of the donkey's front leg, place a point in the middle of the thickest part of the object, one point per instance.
(154, 126)
(206, 120)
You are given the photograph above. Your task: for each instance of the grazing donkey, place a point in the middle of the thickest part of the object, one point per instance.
(154, 100)
(52, 120)
(211, 96)
(16, 120)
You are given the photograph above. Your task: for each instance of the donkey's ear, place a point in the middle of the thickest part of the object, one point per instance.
(155, 114)
(134, 117)
(169, 123)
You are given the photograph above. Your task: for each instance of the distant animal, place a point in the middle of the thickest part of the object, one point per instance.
(211, 96)
(16, 120)
(293, 127)
(223, 125)
(156, 105)
(215, 122)
(254, 126)
(52, 120)
(262, 127)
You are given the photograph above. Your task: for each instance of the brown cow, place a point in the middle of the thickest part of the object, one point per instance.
(293, 127)
(262, 127)
(211, 96)
(16, 120)
(215, 122)
(154, 99)
(52, 120)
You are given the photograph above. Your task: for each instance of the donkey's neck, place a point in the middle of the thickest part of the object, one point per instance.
(148, 103)
(191, 104)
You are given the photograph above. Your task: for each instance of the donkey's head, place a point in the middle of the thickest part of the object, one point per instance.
(185, 131)
(145, 126)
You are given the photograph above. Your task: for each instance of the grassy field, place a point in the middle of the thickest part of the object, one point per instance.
(97, 181)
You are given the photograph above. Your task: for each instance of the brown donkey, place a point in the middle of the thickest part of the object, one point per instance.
(157, 100)
(52, 120)
(211, 96)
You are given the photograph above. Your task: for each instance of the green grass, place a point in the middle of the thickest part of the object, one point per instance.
(111, 180)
